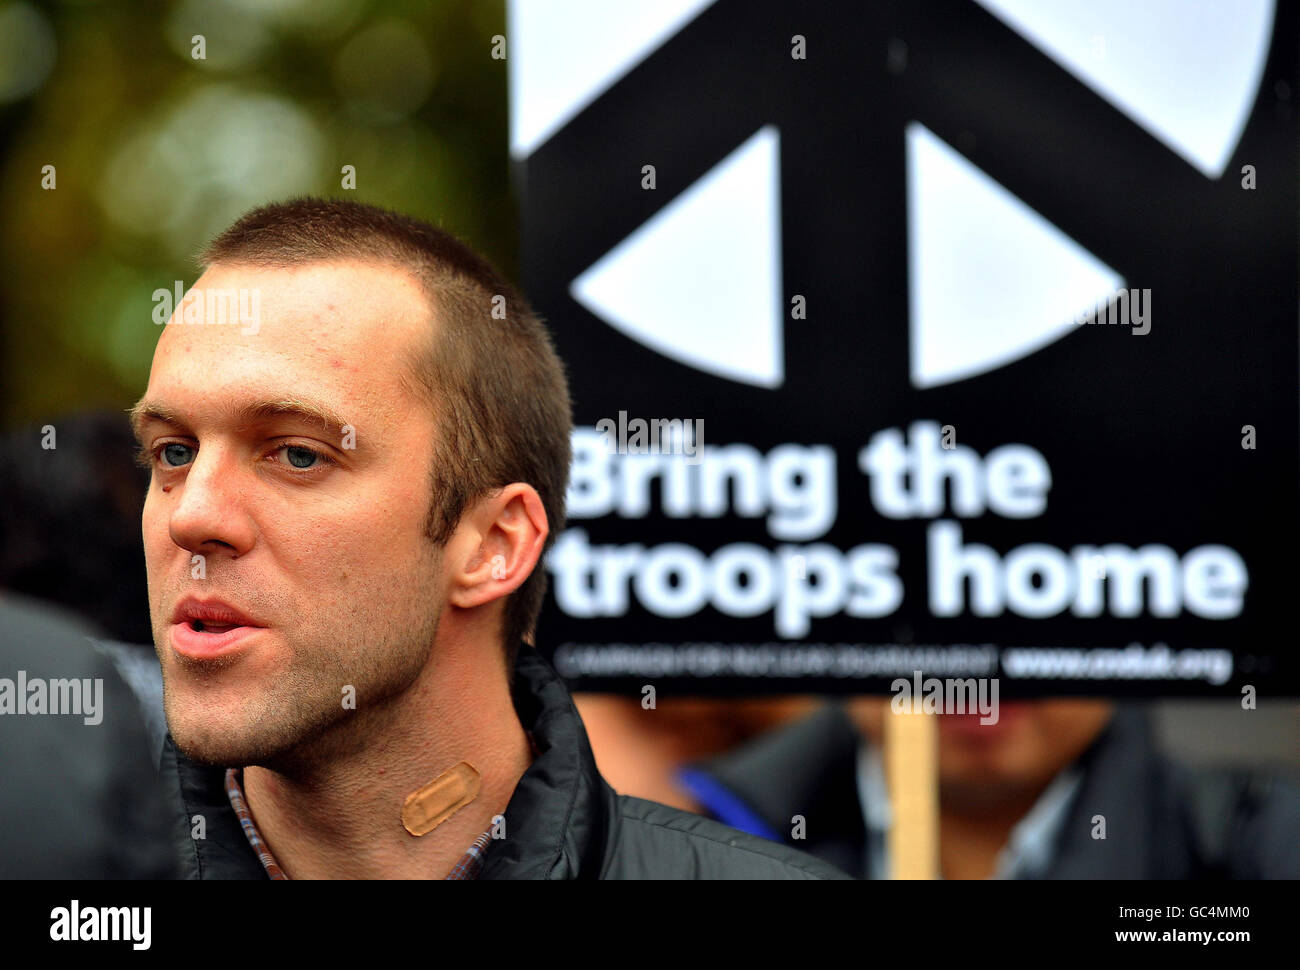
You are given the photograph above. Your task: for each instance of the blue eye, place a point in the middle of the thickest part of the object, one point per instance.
(301, 457)
(175, 455)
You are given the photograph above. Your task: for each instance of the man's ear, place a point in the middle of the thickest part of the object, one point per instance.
(497, 545)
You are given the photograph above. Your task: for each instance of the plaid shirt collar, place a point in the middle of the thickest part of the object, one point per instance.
(467, 868)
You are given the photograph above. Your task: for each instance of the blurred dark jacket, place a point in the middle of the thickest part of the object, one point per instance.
(1164, 820)
(79, 800)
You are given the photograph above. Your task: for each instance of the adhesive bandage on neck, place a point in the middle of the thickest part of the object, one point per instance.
(430, 805)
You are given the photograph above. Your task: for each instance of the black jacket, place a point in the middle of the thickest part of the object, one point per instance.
(563, 820)
(79, 800)
(1164, 820)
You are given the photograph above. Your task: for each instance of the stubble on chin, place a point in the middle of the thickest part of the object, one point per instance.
(262, 725)
(293, 720)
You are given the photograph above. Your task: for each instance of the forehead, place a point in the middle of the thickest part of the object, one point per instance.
(345, 333)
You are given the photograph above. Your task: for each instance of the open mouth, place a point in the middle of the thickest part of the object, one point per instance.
(205, 640)
(200, 626)
(205, 630)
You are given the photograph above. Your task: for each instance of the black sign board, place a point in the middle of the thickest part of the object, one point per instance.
(905, 337)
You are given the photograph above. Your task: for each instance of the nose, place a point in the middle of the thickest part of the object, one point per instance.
(213, 510)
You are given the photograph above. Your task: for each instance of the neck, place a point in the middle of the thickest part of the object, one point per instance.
(973, 832)
(335, 812)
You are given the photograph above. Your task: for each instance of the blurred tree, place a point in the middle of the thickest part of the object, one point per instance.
(166, 121)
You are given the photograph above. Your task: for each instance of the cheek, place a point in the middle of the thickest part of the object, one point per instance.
(1031, 753)
(1009, 752)
(373, 547)
(154, 528)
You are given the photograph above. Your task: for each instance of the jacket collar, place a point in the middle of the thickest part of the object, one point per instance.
(561, 816)
(209, 838)
(558, 823)
(1123, 788)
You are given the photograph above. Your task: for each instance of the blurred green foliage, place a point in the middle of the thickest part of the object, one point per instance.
(155, 150)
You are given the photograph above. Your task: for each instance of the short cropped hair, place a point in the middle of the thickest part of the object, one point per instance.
(489, 371)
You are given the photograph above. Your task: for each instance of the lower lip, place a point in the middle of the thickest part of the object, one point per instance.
(207, 646)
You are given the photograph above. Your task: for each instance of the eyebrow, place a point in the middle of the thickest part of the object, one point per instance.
(309, 412)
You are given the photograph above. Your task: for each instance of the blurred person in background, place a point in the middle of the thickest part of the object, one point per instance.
(81, 797)
(640, 753)
(70, 500)
(1018, 799)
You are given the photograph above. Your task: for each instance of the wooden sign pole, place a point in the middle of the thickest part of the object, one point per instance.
(912, 773)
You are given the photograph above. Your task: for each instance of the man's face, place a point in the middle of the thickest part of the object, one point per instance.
(985, 764)
(1030, 744)
(316, 537)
